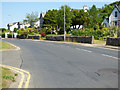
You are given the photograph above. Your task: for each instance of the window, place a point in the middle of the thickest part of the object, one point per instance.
(116, 14)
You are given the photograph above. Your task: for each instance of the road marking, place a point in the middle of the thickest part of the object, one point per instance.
(84, 50)
(18, 70)
(110, 56)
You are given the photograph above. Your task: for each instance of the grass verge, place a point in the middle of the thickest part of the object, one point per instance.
(4, 45)
(99, 41)
(7, 77)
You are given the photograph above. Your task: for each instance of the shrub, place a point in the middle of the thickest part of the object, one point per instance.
(15, 29)
(98, 34)
(43, 34)
(42, 30)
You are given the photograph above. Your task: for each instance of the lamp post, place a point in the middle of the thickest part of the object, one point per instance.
(64, 24)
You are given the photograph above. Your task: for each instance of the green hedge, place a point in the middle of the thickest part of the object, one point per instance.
(98, 34)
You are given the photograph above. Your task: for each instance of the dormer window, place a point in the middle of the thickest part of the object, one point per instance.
(116, 14)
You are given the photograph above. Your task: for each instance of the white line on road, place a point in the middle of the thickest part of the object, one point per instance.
(84, 50)
(77, 48)
(110, 56)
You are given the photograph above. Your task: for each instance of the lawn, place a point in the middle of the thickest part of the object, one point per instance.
(4, 45)
(7, 77)
(99, 41)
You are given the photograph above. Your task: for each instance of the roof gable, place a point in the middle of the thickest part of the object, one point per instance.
(118, 7)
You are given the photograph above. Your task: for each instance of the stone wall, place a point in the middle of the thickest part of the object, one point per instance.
(21, 36)
(113, 41)
(33, 37)
(81, 39)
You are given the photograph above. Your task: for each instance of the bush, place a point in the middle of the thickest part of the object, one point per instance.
(42, 30)
(98, 34)
(43, 34)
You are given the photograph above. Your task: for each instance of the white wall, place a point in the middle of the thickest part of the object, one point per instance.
(112, 16)
(37, 23)
(85, 8)
(105, 21)
(13, 26)
(23, 26)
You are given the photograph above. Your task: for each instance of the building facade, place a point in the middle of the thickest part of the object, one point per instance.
(114, 18)
(18, 25)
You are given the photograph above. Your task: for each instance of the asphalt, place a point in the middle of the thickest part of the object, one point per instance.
(58, 65)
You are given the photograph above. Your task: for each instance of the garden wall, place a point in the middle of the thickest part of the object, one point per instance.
(33, 37)
(113, 41)
(81, 39)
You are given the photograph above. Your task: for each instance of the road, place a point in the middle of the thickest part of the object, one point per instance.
(58, 65)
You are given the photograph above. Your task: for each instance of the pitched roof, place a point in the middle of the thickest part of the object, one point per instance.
(118, 7)
(42, 14)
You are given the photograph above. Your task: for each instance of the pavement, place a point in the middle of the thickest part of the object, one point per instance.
(64, 65)
(12, 60)
(23, 78)
(86, 44)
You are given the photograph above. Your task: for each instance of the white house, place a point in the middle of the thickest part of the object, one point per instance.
(18, 25)
(42, 19)
(114, 18)
(12, 26)
(85, 8)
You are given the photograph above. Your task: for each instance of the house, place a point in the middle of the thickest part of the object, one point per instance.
(85, 8)
(42, 19)
(12, 26)
(18, 25)
(114, 18)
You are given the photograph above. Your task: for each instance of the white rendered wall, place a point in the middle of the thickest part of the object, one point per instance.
(113, 18)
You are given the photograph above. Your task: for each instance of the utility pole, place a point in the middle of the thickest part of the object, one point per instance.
(64, 23)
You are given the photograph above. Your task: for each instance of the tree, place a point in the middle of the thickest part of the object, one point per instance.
(93, 13)
(31, 18)
(15, 29)
(79, 18)
(60, 18)
(105, 11)
(2, 29)
(83, 18)
(50, 19)
(75, 18)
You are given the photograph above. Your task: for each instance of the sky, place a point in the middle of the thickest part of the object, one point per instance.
(16, 11)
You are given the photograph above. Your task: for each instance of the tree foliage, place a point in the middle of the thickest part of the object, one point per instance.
(93, 14)
(50, 19)
(31, 18)
(79, 18)
(60, 18)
